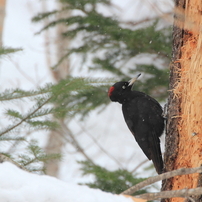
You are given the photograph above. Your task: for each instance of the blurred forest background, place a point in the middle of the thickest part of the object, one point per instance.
(58, 59)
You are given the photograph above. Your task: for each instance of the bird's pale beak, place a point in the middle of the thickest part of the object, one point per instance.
(132, 81)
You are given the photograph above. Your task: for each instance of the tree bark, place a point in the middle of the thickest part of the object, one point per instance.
(184, 123)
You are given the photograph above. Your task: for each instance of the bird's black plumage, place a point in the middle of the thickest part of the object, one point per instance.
(143, 116)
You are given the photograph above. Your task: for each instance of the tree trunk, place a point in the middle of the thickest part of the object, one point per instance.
(184, 125)
(56, 138)
(2, 15)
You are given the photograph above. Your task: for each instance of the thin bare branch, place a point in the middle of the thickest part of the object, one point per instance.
(23, 73)
(151, 180)
(100, 147)
(191, 199)
(167, 16)
(74, 141)
(183, 193)
(139, 165)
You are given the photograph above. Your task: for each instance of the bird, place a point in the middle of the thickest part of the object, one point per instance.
(144, 118)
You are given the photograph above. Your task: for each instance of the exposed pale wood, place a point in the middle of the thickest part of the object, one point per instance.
(188, 90)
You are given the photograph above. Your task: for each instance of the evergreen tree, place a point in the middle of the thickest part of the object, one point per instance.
(111, 47)
(38, 116)
(110, 181)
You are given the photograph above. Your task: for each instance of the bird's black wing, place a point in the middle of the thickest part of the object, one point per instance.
(143, 116)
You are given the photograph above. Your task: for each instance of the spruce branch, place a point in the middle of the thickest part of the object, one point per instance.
(19, 139)
(43, 15)
(71, 91)
(34, 156)
(26, 117)
(8, 50)
(5, 157)
(151, 180)
(14, 94)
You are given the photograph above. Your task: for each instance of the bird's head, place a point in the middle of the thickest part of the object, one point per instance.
(118, 92)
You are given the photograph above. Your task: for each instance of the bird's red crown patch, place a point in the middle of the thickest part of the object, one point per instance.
(111, 89)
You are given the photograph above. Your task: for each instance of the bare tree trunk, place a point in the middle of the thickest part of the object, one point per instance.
(56, 139)
(2, 16)
(184, 125)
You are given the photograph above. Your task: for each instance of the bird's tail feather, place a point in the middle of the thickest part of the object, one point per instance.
(156, 155)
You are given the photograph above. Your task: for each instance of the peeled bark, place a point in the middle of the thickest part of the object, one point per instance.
(184, 125)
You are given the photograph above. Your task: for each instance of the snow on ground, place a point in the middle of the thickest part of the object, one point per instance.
(21, 186)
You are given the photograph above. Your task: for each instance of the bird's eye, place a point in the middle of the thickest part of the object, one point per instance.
(124, 87)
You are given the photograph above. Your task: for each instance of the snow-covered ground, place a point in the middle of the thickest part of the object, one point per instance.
(17, 185)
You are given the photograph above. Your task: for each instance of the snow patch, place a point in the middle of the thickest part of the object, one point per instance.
(21, 186)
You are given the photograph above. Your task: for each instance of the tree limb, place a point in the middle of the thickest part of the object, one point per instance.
(26, 117)
(75, 142)
(151, 180)
(183, 193)
(3, 158)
